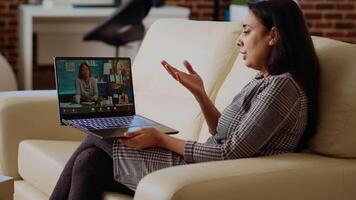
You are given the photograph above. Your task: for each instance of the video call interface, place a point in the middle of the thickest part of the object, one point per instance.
(91, 86)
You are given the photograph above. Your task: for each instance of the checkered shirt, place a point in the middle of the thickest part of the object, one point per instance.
(267, 117)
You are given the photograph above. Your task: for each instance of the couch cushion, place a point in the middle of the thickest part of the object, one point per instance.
(7, 76)
(211, 49)
(292, 176)
(236, 79)
(26, 191)
(40, 164)
(336, 135)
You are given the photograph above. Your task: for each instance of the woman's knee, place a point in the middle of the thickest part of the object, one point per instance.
(89, 160)
(104, 144)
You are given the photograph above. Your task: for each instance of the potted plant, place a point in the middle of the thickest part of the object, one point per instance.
(239, 2)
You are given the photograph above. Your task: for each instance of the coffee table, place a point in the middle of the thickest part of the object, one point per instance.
(6, 187)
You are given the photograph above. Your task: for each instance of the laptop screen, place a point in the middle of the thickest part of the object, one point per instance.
(94, 87)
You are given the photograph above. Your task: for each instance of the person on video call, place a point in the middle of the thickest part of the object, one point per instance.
(85, 85)
(123, 98)
(275, 113)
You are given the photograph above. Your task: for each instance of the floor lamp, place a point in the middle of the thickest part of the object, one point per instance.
(124, 26)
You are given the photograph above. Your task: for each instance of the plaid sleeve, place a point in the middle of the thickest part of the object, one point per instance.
(268, 112)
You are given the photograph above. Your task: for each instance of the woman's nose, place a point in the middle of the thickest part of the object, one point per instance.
(239, 42)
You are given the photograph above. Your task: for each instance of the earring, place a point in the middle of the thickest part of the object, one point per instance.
(271, 43)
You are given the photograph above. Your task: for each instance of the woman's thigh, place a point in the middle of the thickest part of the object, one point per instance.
(91, 141)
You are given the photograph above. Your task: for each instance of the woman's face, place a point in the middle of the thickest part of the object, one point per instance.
(254, 43)
(85, 71)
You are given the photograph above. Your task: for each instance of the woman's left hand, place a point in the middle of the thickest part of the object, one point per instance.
(143, 138)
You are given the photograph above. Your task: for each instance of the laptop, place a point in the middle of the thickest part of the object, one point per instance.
(96, 96)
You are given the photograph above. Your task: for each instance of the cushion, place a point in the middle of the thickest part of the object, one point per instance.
(40, 162)
(211, 49)
(26, 191)
(336, 135)
(40, 165)
(236, 79)
(7, 76)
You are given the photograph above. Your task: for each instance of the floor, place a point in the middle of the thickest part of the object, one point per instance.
(43, 78)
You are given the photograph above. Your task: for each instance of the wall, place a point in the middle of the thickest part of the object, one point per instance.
(201, 9)
(330, 18)
(8, 29)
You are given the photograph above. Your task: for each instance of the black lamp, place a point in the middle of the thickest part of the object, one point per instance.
(124, 26)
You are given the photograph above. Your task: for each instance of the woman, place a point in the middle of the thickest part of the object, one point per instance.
(274, 113)
(123, 98)
(85, 85)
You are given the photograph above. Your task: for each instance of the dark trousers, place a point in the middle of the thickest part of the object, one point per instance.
(88, 172)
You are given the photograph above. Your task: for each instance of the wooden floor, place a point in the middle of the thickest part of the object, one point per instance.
(43, 78)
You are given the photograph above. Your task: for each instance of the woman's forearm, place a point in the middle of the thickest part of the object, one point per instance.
(174, 144)
(210, 112)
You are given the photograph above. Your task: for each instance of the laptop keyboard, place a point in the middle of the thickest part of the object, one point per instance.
(112, 122)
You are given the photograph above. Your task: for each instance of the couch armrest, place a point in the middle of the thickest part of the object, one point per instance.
(288, 176)
(28, 115)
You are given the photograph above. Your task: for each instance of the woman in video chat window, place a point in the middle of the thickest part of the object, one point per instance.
(85, 85)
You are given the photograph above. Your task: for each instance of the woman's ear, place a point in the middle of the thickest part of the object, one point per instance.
(274, 34)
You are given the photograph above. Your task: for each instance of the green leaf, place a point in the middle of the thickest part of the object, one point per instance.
(239, 2)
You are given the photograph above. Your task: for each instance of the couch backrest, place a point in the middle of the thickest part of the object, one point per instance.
(336, 132)
(211, 49)
(28, 115)
(7, 76)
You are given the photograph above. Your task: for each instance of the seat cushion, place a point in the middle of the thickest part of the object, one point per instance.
(211, 49)
(26, 191)
(40, 164)
(336, 135)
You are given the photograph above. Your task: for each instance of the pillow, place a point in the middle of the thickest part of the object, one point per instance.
(336, 129)
(211, 49)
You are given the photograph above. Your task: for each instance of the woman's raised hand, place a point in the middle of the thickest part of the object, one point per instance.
(191, 80)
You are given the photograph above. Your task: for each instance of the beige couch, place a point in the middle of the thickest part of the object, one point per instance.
(34, 148)
(7, 76)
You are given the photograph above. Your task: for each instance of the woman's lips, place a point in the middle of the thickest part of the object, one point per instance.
(243, 55)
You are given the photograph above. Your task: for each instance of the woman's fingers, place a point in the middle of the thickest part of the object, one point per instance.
(189, 67)
(186, 64)
(166, 65)
(171, 70)
(178, 77)
(132, 133)
(177, 74)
